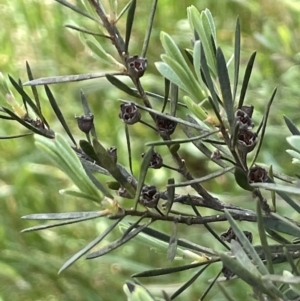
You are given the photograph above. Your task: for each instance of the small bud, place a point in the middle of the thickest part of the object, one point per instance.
(165, 126)
(246, 141)
(122, 192)
(257, 174)
(216, 155)
(228, 236)
(112, 151)
(156, 160)
(136, 66)
(85, 122)
(149, 196)
(244, 120)
(129, 113)
(228, 274)
(248, 110)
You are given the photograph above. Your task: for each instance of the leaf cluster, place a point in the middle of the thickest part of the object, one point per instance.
(218, 122)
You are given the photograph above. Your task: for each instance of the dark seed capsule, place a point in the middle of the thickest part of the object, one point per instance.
(129, 113)
(246, 141)
(149, 196)
(112, 151)
(156, 160)
(248, 110)
(165, 125)
(229, 235)
(257, 174)
(136, 66)
(85, 123)
(244, 120)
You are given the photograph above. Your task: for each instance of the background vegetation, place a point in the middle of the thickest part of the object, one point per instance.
(34, 31)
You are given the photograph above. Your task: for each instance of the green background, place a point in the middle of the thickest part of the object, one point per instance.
(34, 31)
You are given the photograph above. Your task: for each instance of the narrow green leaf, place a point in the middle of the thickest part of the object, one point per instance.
(210, 286)
(26, 98)
(273, 194)
(224, 292)
(173, 52)
(74, 168)
(210, 85)
(181, 242)
(277, 237)
(281, 225)
(116, 244)
(292, 127)
(62, 216)
(68, 222)
(149, 28)
(5, 117)
(123, 11)
(84, 30)
(282, 279)
(197, 60)
(290, 260)
(243, 258)
(189, 282)
(171, 270)
(191, 85)
(143, 172)
(295, 229)
(77, 10)
(263, 126)
(225, 86)
(174, 99)
(205, 178)
(97, 50)
(246, 79)
(121, 86)
(172, 248)
(58, 113)
(204, 26)
(263, 237)
(68, 78)
(65, 158)
(44, 132)
(35, 95)
(14, 136)
(253, 280)
(156, 244)
(277, 187)
(166, 71)
(108, 163)
(79, 194)
(181, 141)
(92, 166)
(166, 94)
(97, 183)
(241, 178)
(89, 150)
(171, 195)
(246, 243)
(89, 246)
(129, 22)
(294, 141)
(237, 54)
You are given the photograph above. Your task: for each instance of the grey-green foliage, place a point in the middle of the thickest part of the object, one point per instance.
(213, 103)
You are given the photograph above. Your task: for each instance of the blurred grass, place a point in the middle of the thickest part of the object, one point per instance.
(34, 31)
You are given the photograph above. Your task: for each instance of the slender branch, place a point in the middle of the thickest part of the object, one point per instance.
(115, 36)
(188, 220)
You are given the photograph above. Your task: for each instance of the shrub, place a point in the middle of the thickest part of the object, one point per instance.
(204, 104)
